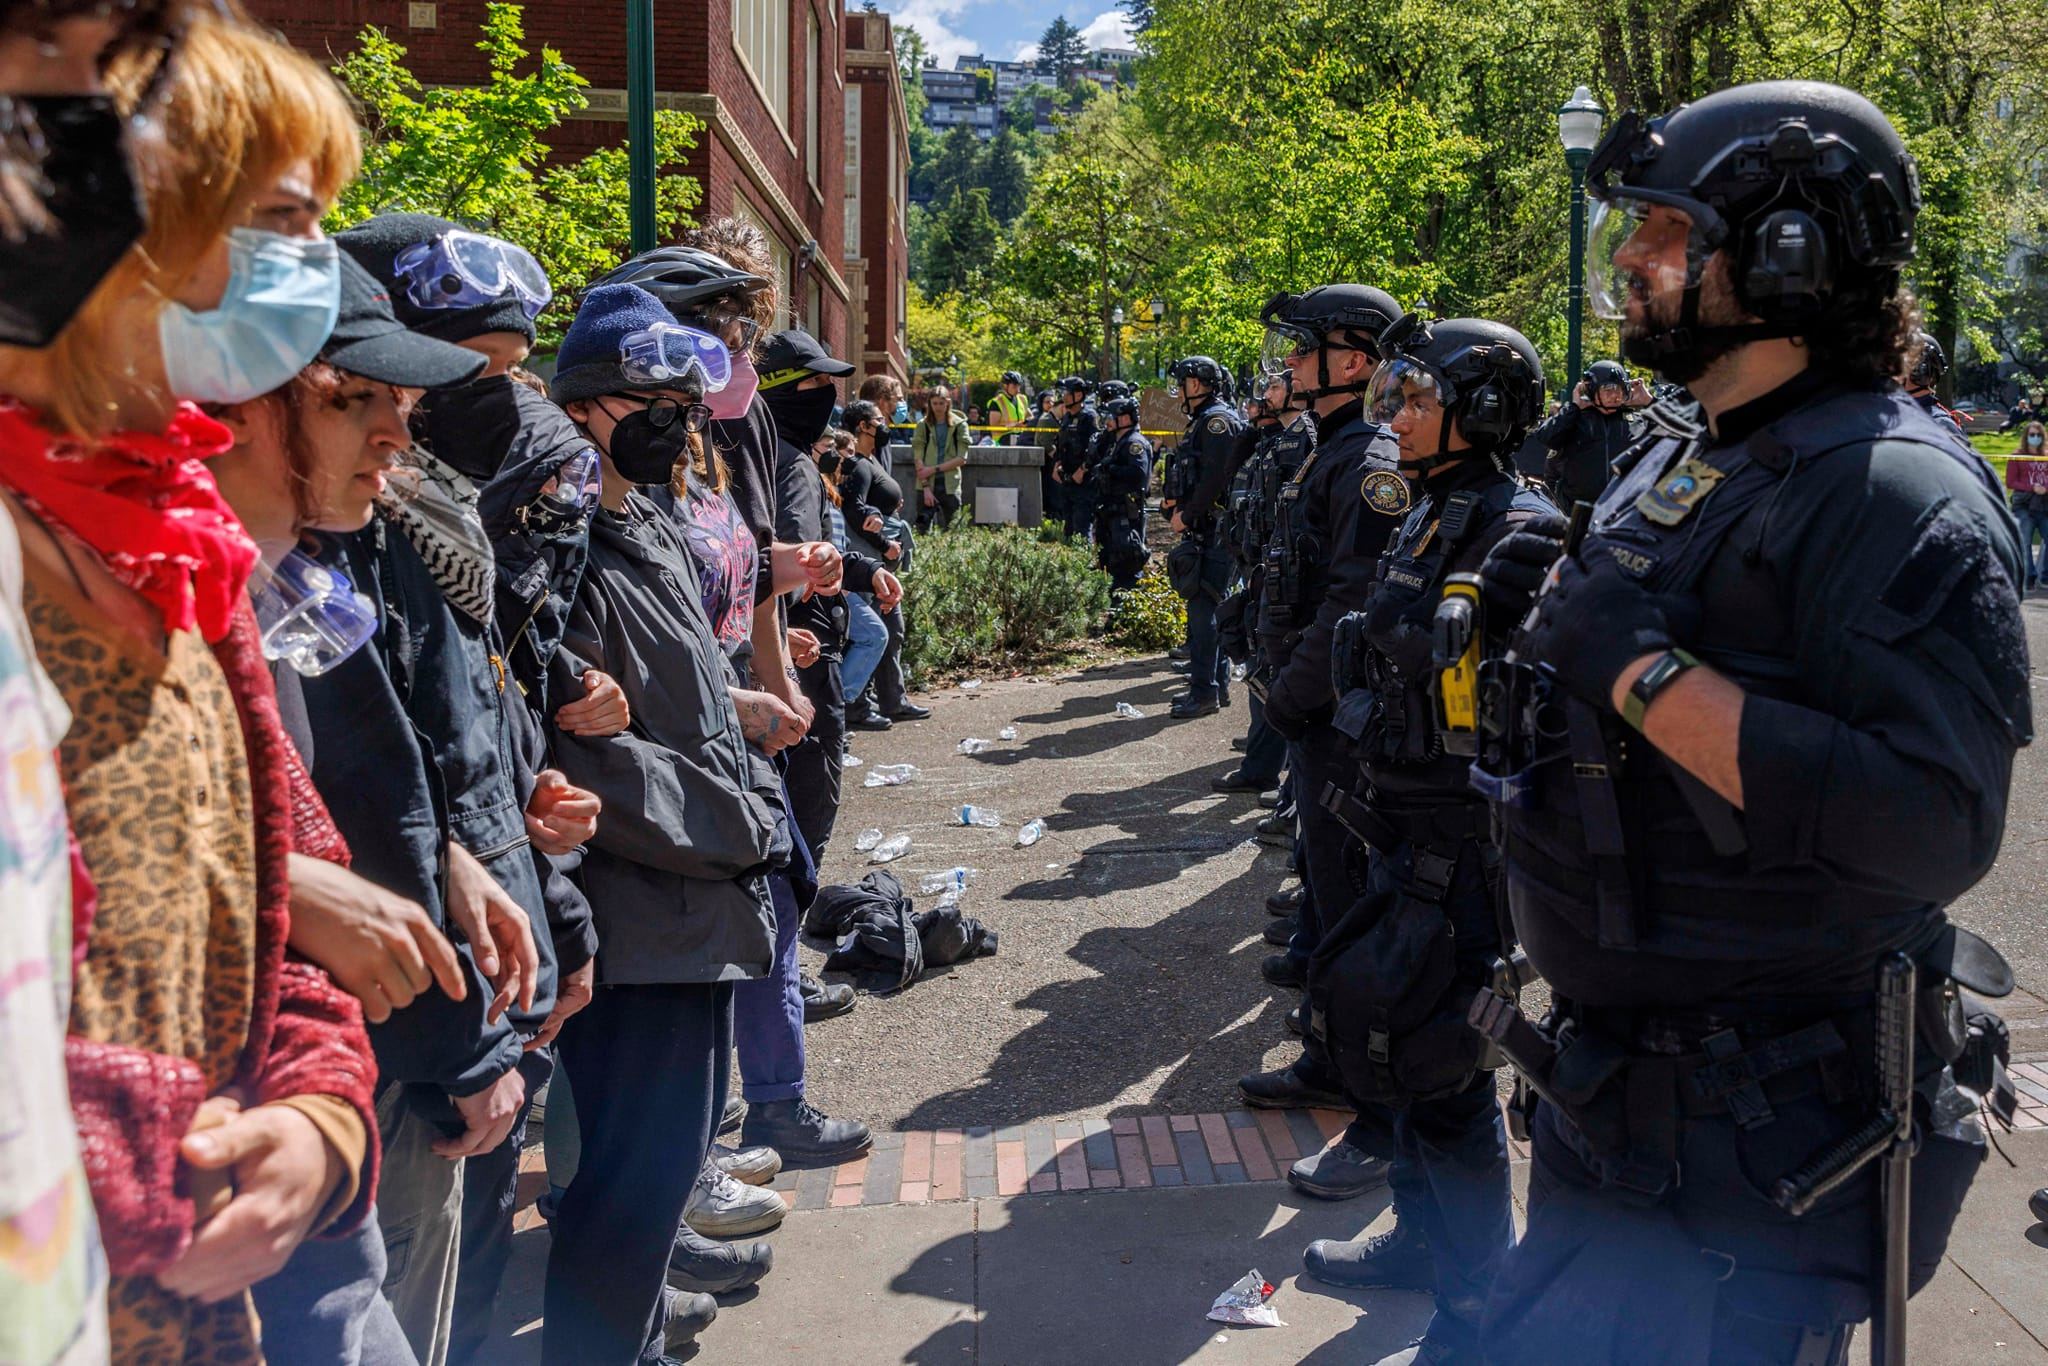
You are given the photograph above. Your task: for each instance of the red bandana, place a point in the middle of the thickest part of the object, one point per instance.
(147, 503)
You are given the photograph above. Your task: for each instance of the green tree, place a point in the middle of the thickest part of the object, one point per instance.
(961, 242)
(955, 166)
(941, 327)
(476, 154)
(1007, 175)
(1061, 51)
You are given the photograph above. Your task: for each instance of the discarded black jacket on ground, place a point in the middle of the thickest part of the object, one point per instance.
(881, 933)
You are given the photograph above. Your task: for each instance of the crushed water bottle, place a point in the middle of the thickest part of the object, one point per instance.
(981, 816)
(852, 761)
(867, 839)
(948, 901)
(974, 745)
(889, 775)
(1007, 733)
(954, 880)
(1031, 834)
(891, 849)
(970, 685)
(1129, 712)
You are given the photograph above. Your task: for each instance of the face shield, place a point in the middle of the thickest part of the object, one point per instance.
(1403, 386)
(1284, 342)
(1643, 249)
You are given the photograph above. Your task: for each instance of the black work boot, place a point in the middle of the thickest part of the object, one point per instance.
(823, 1000)
(1282, 970)
(802, 1134)
(1339, 1172)
(1188, 705)
(1280, 933)
(735, 1111)
(1395, 1260)
(1286, 901)
(706, 1266)
(683, 1317)
(1291, 1088)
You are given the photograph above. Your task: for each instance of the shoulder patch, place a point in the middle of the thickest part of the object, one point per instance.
(1386, 493)
(1219, 425)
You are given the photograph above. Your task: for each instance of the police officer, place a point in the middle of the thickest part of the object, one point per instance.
(1199, 566)
(1084, 493)
(1598, 423)
(1392, 981)
(1122, 477)
(1070, 447)
(1777, 694)
(1926, 363)
(1332, 520)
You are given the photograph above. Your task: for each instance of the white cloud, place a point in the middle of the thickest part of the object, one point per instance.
(933, 20)
(1111, 28)
(1026, 52)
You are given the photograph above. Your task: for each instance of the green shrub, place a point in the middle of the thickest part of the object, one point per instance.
(993, 594)
(1151, 616)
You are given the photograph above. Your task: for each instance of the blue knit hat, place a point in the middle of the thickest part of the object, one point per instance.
(588, 365)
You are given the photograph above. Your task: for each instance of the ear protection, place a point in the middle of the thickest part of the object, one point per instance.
(1487, 416)
(1786, 272)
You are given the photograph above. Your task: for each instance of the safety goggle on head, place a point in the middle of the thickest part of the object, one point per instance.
(461, 269)
(669, 355)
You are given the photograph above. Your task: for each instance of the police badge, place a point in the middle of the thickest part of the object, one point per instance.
(1386, 493)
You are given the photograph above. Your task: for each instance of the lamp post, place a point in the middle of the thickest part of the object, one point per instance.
(640, 122)
(1579, 121)
(1158, 334)
(1116, 316)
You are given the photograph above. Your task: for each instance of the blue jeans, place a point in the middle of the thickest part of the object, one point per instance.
(866, 640)
(2030, 524)
(327, 1305)
(768, 1012)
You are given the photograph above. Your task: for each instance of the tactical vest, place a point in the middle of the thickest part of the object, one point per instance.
(1636, 855)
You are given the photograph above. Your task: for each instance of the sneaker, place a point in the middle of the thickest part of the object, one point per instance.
(1339, 1172)
(735, 1111)
(683, 1317)
(1280, 933)
(705, 1266)
(803, 1135)
(1237, 780)
(1283, 970)
(1270, 798)
(822, 1001)
(1286, 901)
(1289, 1089)
(721, 1207)
(1188, 705)
(1395, 1260)
(748, 1166)
(908, 711)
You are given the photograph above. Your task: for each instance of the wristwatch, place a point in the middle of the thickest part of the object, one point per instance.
(1662, 673)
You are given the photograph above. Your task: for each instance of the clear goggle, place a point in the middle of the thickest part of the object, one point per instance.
(1282, 345)
(1649, 231)
(666, 354)
(1400, 383)
(461, 269)
(309, 614)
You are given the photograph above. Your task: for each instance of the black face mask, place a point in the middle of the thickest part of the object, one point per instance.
(88, 189)
(829, 463)
(645, 453)
(471, 426)
(801, 415)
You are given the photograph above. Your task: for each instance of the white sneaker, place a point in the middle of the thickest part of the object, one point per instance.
(755, 1166)
(721, 1207)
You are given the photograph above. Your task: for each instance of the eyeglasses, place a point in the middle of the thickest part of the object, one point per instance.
(717, 323)
(666, 412)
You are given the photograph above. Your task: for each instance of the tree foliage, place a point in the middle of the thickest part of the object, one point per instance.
(477, 154)
(1060, 48)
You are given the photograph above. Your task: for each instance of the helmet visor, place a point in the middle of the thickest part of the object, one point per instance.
(1636, 248)
(1402, 383)
(668, 355)
(462, 269)
(1283, 343)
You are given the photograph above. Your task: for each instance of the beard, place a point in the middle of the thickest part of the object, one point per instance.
(1646, 332)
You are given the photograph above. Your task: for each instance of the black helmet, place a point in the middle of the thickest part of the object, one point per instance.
(684, 278)
(1121, 406)
(1012, 377)
(1930, 362)
(1074, 384)
(1203, 368)
(1603, 373)
(1112, 389)
(1486, 376)
(1296, 324)
(1796, 179)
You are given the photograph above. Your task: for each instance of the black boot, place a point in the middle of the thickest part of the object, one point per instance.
(1286, 901)
(1283, 971)
(1341, 1171)
(803, 1135)
(1291, 1089)
(823, 1000)
(731, 1117)
(706, 1266)
(1189, 705)
(1395, 1260)
(1280, 932)
(683, 1317)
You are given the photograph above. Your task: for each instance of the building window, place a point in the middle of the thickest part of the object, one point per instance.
(760, 29)
(852, 245)
(785, 308)
(812, 93)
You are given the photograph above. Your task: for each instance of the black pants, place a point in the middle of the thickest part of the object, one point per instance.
(650, 1069)
(942, 515)
(813, 769)
(888, 680)
(1053, 495)
(490, 1193)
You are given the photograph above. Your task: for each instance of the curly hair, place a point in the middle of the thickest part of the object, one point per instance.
(740, 244)
(1868, 331)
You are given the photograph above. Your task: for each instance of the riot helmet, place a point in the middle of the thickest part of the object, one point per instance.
(1205, 369)
(1485, 376)
(1072, 385)
(1340, 315)
(1121, 406)
(1805, 185)
(1930, 362)
(1603, 375)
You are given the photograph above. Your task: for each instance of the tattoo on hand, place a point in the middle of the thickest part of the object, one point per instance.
(774, 724)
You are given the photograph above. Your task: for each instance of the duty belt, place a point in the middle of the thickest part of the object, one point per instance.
(1428, 827)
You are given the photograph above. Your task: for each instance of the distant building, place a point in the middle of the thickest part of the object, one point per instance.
(875, 247)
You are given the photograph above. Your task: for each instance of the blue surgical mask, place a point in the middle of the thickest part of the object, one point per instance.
(278, 310)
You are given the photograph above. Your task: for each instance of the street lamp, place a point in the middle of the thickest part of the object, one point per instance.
(1579, 121)
(1158, 334)
(1116, 316)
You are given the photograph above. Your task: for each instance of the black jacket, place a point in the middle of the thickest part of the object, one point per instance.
(1582, 445)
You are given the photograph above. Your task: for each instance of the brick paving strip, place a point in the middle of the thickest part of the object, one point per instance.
(1130, 1152)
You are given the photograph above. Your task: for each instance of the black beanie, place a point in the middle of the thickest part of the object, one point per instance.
(376, 244)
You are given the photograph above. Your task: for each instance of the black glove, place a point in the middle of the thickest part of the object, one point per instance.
(1515, 568)
(1597, 621)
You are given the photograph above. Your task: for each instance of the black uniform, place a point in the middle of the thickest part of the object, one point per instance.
(1076, 438)
(1854, 569)
(1122, 478)
(1582, 444)
(1200, 565)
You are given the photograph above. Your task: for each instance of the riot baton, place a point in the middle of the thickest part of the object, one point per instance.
(1888, 1136)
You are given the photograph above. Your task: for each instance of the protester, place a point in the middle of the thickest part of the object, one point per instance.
(938, 448)
(874, 503)
(2030, 501)
(867, 638)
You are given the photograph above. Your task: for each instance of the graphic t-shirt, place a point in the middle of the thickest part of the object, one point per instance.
(53, 1275)
(728, 561)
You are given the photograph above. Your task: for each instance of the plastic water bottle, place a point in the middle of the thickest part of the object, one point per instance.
(948, 901)
(952, 879)
(1129, 712)
(891, 849)
(1007, 733)
(1031, 834)
(852, 761)
(889, 775)
(981, 816)
(867, 839)
(974, 745)
(970, 685)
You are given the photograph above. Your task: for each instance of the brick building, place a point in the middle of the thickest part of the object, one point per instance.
(876, 249)
(767, 78)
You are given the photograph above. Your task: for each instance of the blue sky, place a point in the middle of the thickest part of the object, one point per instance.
(1004, 29)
